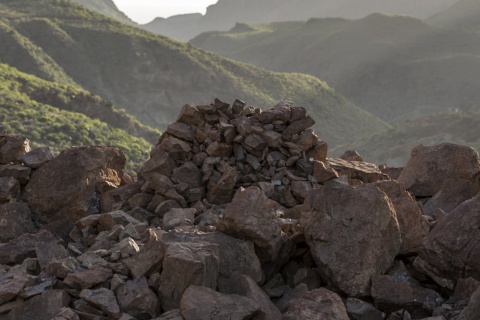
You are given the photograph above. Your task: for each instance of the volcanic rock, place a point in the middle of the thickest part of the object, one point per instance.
(137, 299)
(37, 157)
(15, 220)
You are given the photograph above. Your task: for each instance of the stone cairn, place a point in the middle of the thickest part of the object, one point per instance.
(238, 214)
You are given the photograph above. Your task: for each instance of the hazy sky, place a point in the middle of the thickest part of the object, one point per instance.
(143, 11)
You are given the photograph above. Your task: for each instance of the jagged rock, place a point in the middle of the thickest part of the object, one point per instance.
(413, 225)
(12, 148)
(190, 115)
(66, 314)
(17, 250)
(452, 249)
(19, 172)
(9, 190)
(113, 200)
(201, 303)
(61, 268)
(187, 264)
(188, 173)
(465, 288)
(366, 239)
(351, 155)
(103, 299)
(452, 194)
(66, 187)
(298, 126)
(31, 291)
(37, 157)
(245, 286)
(12, 283)
(178, 217)
(363, 171)
(149, 259)
(235, 256)
(398, 290)
(43, 307)
(222, 191)
(110, 219)
(137, 299)
(251, 215)
(15, 220)
(157, 183)
(430, 166)
(318, 304)
(323, 173)
(360, 310)
(176, 148)
(86, 279)
(181, 131)
(160, 162)
(48, 251)
(217, 149)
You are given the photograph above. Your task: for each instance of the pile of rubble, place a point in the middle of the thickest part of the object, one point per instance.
(238, 214)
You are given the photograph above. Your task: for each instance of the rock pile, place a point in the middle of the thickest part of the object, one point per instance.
(238, 214)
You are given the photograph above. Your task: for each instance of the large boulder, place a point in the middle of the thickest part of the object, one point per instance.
(251, 215)
(413, 225)
(430, 166)
(67, 187)
(452, 249)
(353, 234)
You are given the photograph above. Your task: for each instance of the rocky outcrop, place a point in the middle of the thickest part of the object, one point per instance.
(238, 214)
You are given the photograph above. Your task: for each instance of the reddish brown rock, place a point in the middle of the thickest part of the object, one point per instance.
(12, 148)
(160, 162)
(472, 312)
(181, 131)
(201, 303)
(451, 195)
(365, 240)
(363, 171)
(15, 220)
(222, 191)
(37, 157)
(323, 173)
(251, 215)
(186, 264)
(217, 149)
(176, 148)
(43, 307)
(12, 283)
(430, 166)
(360, 310)
(188, 173)
(178, 217)
(86, 279)
(9, 189)
(452, 249)
(137, 299)
(298, 126)
(66, 187)
(19, 172)
(18, 249)
(318, 304)
(413, 225)
(103, 299)
(190, 116)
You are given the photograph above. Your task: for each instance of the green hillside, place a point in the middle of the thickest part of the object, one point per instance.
(53, 115)
(395, 67)
(465, 14)
(152, 77)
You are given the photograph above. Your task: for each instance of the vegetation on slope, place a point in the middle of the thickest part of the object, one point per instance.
(107, 8)
(153, 77)
(395, 67)
(51, 115)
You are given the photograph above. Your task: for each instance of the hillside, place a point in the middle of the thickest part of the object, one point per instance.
(395, 67)
(464, 14)
(107, 8)
(54, 115)
(392, 147)
(151, 76)
(225, 13)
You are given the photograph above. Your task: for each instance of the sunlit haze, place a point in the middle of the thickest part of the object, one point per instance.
(143, 11)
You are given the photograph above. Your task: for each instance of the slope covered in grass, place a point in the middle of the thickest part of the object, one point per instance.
(54, 115)
(152, 77)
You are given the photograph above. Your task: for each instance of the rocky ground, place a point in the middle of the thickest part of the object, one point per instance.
(238, 214)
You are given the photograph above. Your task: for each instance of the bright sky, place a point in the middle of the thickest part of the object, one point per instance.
(143, 11)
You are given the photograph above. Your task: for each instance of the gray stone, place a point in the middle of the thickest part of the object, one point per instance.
(103, 299)
(43, 307)
(15, 220)
(37, 157)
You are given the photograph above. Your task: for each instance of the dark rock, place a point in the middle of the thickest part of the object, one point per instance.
(43, 307)
(20, 248)
(19, 172)
(176, 148)
(137, 299)
(190, 116)
(12, 148)
(430, 166)
(222, 191)
(181, 131)
(160, 162)
(360, 310)
(86, 279)
(12, 283)
(178, 217)
(363, 244)
(452, 194)
(37, 157)
(15, 220)
(9, 190)
(103, 299)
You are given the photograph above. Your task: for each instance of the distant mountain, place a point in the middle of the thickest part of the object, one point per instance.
(62, 116)
(107, 8)
(464, 14)
(223, 15)
(153, 77)
(395, 67)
